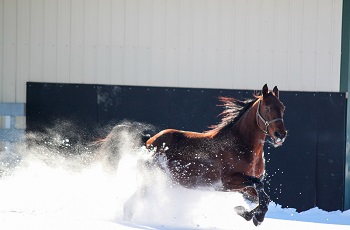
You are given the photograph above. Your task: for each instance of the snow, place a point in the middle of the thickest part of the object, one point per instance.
(41, 189)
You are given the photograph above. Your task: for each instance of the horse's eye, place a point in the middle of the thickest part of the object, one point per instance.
(267, 109)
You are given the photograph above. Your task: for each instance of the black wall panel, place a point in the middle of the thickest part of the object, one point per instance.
(147, 105)
(331, 110)
(293, 165)
(141, 104)
(109, 100)
(71, 106)
(195, 109)
(307, 171)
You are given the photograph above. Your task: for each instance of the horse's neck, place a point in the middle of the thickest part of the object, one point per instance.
(249, 131)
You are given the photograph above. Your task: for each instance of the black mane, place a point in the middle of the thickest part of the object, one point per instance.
(234, 110)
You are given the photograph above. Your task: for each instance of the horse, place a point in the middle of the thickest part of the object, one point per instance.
(229, 156)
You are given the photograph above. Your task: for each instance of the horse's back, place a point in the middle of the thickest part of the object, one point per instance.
(160, 138)
(170, 137)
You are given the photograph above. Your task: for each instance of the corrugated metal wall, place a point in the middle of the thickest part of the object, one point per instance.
(239, 44)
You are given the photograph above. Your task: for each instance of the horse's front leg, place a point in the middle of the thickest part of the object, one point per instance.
(241, 182)
(264, 200)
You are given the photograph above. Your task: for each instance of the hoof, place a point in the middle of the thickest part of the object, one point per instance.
(256, 222)
(128, 211)
(127, 215)
(259, 216)
(240, 210)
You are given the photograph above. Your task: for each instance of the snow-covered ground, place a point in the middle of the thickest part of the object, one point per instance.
(40, 189)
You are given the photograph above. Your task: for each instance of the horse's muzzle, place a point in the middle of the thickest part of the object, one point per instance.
(278, 141)
(278, 138)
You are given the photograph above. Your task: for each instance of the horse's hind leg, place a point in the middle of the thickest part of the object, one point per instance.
(250, 194)
(128, 209)
(261, 209)
(259, 212)
(131, 204)
(241, 182)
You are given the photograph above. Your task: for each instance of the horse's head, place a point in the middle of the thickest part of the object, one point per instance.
(269, 115)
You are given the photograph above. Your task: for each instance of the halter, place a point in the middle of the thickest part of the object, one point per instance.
(266, 123)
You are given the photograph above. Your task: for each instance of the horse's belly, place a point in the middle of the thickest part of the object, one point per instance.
(194, 173)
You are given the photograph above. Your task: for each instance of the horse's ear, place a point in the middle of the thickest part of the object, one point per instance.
(276, 92)
(265, 90)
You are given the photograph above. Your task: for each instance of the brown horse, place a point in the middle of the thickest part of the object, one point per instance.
(230, 155)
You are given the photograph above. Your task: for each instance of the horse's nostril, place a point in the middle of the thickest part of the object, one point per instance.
(277, 134)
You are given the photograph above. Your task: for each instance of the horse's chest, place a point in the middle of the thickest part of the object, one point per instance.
(258, 167)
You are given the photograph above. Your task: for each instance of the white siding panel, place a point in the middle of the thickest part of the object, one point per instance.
(336, 47)
(241, 44)
(282, 39)
(90, 41)
(296, 45)
(9, 49)
(225, 43)
(2, 55)
(225, 58)
(104, 41)
(117, 41)
(63, 40)
(172, 43)
(185, 42)
(158, 43)
(267, 41)
(309, 45)
(252, 66)
(212, 33)
(77, 39)
(131, 42)
(324, 45)
(37, 40)
(23, 49)
(145, 42)
(199, 42)
(50, 41)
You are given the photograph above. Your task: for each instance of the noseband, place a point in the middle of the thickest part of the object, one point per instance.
(266, 123)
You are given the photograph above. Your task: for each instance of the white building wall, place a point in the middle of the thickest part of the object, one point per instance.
(233, 44)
